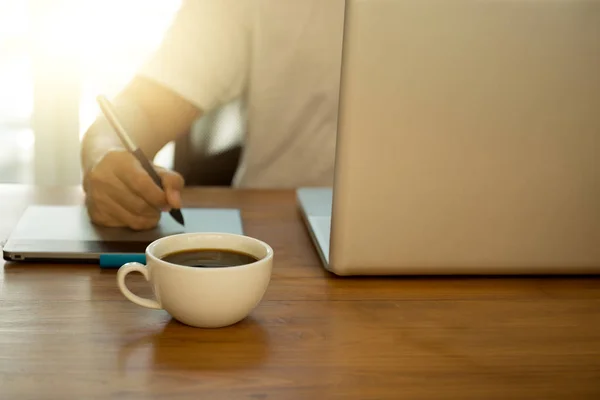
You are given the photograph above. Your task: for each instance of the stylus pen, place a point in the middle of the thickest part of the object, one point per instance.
(111, 116)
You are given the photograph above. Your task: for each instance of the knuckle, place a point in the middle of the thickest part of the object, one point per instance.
(151, 212)
(140, 206)
(142, 180)
(96, 199)
(99, 218)
(172, 180)
(94, 175)
(95, 216)
(158, 200)
(99, 176)
(153, 195)
(177, 184)
(92, 208)
(132, 201)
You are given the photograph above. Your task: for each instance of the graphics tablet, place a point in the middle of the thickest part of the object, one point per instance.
(65, 233)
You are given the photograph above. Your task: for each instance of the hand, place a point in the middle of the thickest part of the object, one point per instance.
(120, 193)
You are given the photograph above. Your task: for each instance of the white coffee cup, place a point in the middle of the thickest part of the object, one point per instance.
(203, 297)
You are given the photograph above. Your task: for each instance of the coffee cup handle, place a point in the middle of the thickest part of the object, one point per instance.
(122, 273)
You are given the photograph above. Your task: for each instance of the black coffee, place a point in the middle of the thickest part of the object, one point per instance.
(209, 258)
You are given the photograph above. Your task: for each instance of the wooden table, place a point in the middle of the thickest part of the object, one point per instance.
(66, 332)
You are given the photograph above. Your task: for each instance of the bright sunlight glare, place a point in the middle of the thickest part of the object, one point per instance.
(103, 40)
(73, 50)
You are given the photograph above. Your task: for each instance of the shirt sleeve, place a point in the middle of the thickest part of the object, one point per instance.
(204, 55)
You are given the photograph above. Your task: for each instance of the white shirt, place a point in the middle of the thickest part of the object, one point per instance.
(283, 58)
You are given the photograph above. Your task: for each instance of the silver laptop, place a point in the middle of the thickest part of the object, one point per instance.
(468, 140)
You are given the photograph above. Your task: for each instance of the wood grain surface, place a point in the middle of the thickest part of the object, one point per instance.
(66, 332)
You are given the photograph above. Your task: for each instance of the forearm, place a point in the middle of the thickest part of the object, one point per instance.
(151, 114)
(100, 138)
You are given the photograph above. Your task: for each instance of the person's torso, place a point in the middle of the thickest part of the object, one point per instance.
(292, 97)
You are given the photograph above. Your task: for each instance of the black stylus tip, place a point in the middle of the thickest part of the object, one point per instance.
(176, 214)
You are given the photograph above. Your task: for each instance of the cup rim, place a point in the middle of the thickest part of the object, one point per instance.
(245, 237)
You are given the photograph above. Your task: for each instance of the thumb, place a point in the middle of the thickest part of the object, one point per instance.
(173, 184)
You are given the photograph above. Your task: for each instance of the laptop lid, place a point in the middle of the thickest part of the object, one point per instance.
(468, 138)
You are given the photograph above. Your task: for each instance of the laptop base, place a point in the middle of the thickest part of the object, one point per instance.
(315, 205)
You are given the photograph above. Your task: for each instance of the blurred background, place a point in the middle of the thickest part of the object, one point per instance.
(55, 57)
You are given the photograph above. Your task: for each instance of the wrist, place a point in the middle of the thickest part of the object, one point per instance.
(97, 142)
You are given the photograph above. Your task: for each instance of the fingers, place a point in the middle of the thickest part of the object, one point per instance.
(139, 182)
(116, 174)
(174, 198)
(106, 211)
(100, 215)
(133, 203)
(173, 183)
(171, 179)
(119, 193)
